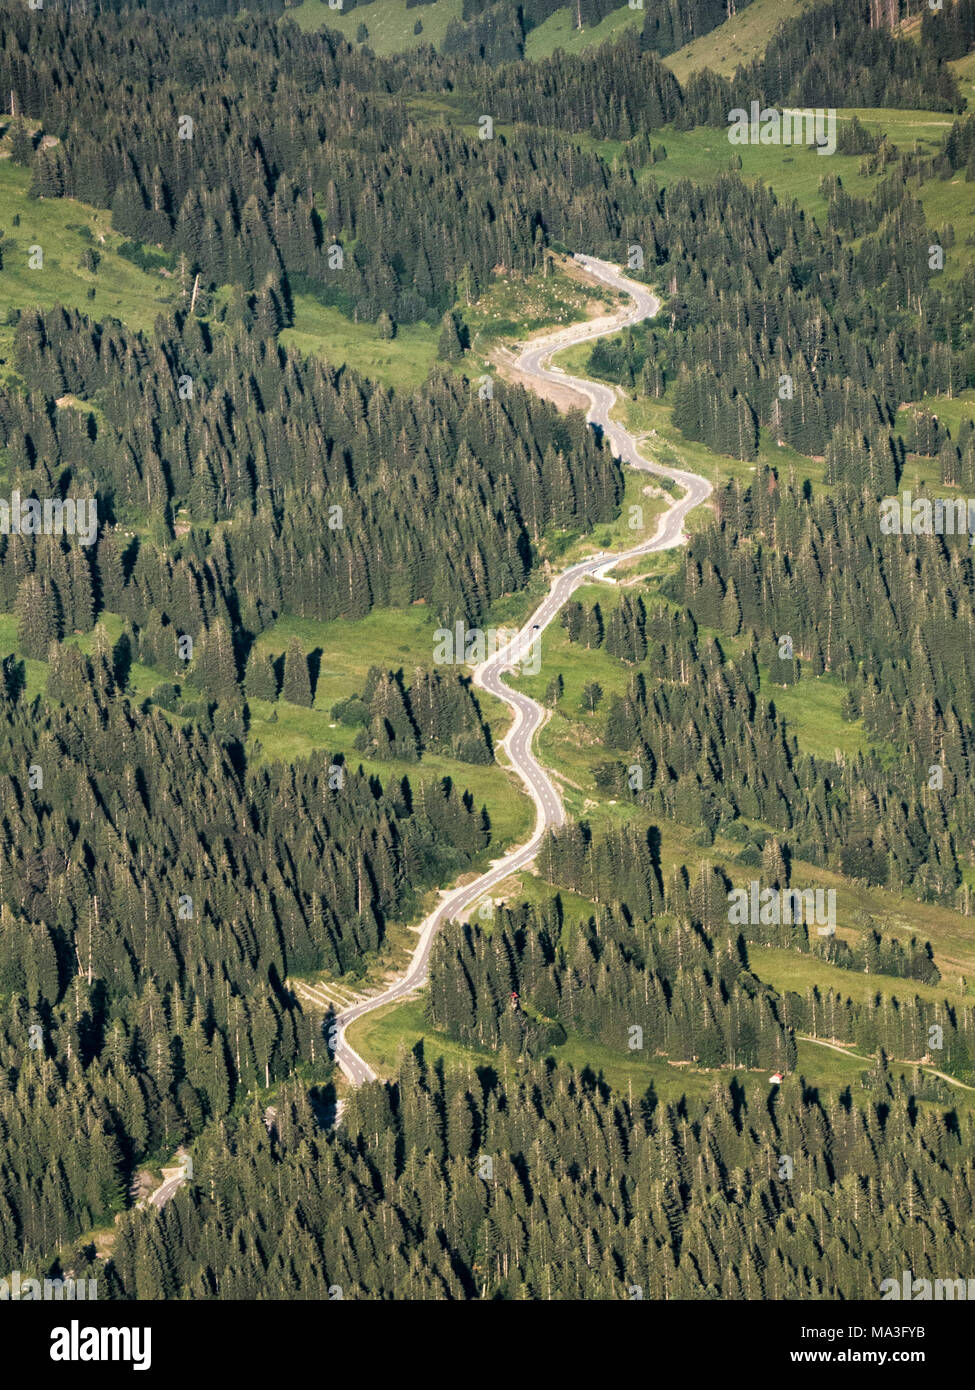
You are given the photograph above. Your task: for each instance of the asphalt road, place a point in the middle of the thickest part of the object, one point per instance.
(168, 1189)
(173, 1179)
(528, 714)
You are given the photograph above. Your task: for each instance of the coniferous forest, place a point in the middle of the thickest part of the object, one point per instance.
(270, 280)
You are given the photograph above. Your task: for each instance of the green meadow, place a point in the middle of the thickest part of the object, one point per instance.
(390, 27)
(142, 679)
(516, 306)
(64, 230)
(964, 70)
(386, 1035)
(738, 40)
(560, 30)
(795, 172)
(952, 411)
(391, 639)
(789, 970)
(389, 22)
(812, 708)
(388, 638)
(403, 361)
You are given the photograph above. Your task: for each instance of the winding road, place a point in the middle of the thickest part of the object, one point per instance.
(489, 676)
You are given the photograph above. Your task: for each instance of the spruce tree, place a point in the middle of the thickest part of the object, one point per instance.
(296, 684)
(260, 681)
(21, 145)
(450, 347)
(37, 617)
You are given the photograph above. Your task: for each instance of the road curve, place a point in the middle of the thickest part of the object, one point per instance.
(489, 676)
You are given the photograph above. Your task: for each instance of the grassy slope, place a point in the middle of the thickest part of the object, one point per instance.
(390, 25)
(122, 290)
(787, 970)
(391, 639)
(796, 173)
(386, 1035)
(403, 361)
(389, 22)
(964, 70)
(737, 41)
(142, 679)
(388, 638)
(560, 31)
(509, 305)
